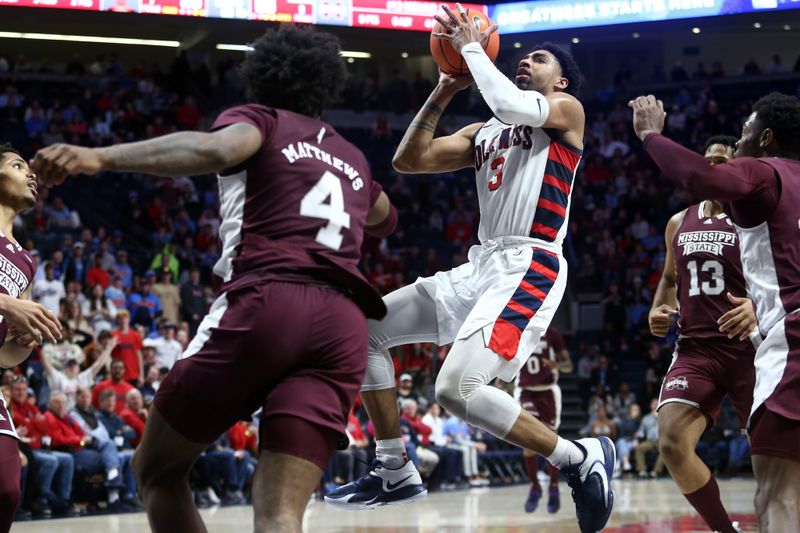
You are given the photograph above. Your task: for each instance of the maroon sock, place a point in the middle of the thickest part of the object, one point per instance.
(707, 502)
(554, 475)
(532, 468)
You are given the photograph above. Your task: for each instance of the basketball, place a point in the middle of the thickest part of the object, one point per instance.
(446, 56)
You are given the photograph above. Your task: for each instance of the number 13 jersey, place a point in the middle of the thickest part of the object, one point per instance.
(707, 267)
(524, 177)
(296, 210)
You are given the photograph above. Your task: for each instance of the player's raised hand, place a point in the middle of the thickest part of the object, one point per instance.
(460, 30)
(453, 82)
(54, 163)
(659, 319)
(740, 321)
(648, 115)
(30, 320)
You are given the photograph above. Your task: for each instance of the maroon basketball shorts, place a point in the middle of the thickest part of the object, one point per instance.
(703, 371)
(298, 351)
(775, 425)
(544, 405)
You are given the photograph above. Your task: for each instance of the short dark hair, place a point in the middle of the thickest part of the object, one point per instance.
(297, 68)
(106, 393)
(781, 113)
(6, 148)
(725, 140)
(569, 68)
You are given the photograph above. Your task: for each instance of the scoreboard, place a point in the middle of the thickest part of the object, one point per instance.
(417, 15)
(414, 15)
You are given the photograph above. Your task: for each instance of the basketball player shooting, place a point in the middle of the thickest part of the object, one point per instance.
(495, 308)
(703, 282)
(288, 330)
(23, 323)
(761, 191)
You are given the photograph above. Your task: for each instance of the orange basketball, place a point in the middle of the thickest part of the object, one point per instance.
(446, 56)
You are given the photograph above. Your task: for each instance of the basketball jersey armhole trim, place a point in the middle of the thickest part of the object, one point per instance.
(556, 138)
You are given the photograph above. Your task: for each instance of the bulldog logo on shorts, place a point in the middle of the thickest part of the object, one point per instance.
(677, 383)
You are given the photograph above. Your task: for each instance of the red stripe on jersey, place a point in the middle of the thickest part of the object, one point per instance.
(565, 156)
(547, 231)
(505, 339)
(552, 206)
(543, 270)
(557, 183)
(524, 311)
(533, 291)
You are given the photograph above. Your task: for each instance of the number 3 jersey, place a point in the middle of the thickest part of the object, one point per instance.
(296, 210)
(524, 177)
(707, 266)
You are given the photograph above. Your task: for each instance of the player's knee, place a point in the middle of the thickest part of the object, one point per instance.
(761, 499)
(448, 394)
(672, 448)
(149, 470)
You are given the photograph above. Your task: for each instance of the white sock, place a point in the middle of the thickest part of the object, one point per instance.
(391, 452)
(113, 495)
(112, 474)
(565, 454)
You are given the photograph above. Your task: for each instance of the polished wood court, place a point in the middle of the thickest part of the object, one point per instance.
(642, 507)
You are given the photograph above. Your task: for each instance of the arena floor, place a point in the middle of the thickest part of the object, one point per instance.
(642, 506)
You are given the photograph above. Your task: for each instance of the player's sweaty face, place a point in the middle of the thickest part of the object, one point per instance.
(537, 70)
(18, 187)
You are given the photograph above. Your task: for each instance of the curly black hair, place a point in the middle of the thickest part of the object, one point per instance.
(6, 148)
(297, 68)
(569, 68)
(781, 113)
(724, 140)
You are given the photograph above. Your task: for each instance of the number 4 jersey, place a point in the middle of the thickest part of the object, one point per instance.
(296, 210)
(707, 266)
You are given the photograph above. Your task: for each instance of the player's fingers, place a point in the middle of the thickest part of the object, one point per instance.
(444, 23)
(450, 14)
(445, 36)
(462, 12)
(660, 105)
(493, 28)
(731, 323)
(735, 299)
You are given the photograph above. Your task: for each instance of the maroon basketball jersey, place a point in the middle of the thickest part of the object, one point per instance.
(707, 266)
(771, 250)
(533, 373)
(17, 268)
(296, 209)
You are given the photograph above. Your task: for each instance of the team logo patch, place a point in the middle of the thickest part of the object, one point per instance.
(677, 383)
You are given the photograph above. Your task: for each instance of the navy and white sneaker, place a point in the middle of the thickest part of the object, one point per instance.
(380, 486)
(590, 481)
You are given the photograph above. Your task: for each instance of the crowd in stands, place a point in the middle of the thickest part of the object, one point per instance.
(125, 261)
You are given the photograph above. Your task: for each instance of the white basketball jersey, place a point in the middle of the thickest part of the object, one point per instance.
(524, 178)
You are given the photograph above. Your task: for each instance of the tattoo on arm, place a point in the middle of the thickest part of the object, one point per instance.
(422, 125)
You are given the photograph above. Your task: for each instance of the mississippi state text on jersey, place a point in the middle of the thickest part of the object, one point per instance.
(524, 178)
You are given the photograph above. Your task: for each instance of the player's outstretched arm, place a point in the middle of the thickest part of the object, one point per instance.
(690, 171)
(178, 154)
(665, 301)
(419, 152)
